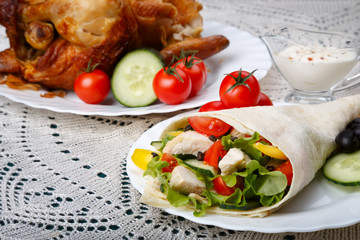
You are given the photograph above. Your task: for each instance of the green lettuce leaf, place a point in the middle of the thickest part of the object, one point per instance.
(164, 141)
(260, 185)
(214, 198)
(246, 145)
(154, 167)
(199, 207)
(263, 181)
(230, 180)
(175, 198)
(268, 187)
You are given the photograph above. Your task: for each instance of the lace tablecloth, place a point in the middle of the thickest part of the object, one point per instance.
(63, 175)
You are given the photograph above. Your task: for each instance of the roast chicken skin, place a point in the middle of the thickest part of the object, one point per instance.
(51, 41)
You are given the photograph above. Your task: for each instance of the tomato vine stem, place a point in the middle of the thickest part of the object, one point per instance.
(240, 81)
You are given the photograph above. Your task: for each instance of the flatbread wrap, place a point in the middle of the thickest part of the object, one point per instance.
(258, 143)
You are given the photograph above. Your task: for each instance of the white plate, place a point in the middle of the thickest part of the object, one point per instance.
(320, 205)
(244, 51)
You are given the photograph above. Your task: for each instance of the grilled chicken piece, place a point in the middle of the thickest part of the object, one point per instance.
(189, 142)
(185, 181)
(234, 160)
(52, 40)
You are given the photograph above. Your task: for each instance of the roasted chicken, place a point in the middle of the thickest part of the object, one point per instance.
(51, 41)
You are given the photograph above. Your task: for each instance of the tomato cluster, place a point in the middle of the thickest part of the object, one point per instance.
(238, 89)
(180, 81)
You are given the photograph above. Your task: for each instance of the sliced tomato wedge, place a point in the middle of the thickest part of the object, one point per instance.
(214, 153)
(221, 187)
(209, 126)
(286, 169)
(171, 160)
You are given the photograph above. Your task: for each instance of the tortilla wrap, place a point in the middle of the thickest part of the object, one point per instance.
(304, 133)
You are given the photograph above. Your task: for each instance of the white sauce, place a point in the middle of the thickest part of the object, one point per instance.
(314, 68)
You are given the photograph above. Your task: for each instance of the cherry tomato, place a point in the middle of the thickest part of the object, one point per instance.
(212, 106)
(239, 89)
(92, 87)
(209, 126)
(214, 153)
(221, 187)
(201, 64)
(196, 70)
(171, 160)
(264, 100)
(286, 169)
(170, 86)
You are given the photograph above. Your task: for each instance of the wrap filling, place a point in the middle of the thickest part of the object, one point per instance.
(208, 163)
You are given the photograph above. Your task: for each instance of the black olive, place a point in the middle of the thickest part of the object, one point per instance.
(200, 156)
(356, 129)
(356, 121)
(212, 138)
(188, 128)
(347, 141)
(233, 138)
(270, 168)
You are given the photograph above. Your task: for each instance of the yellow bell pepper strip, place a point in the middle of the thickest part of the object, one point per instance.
(141, 157)
(175, 133)
(270, 151)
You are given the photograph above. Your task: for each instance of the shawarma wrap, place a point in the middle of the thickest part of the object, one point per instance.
(303, 133)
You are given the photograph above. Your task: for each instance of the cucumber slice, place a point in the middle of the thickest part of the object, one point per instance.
(131, 83)
(200, 167)
(344, 169)
(157, 144)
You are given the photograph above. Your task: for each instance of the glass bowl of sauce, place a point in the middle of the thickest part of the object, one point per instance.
(314, 63)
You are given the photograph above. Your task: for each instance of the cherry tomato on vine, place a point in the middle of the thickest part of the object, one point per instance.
(264, 100)
(172, 86)
(196, 70)
(239, 89)
(92, 86)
